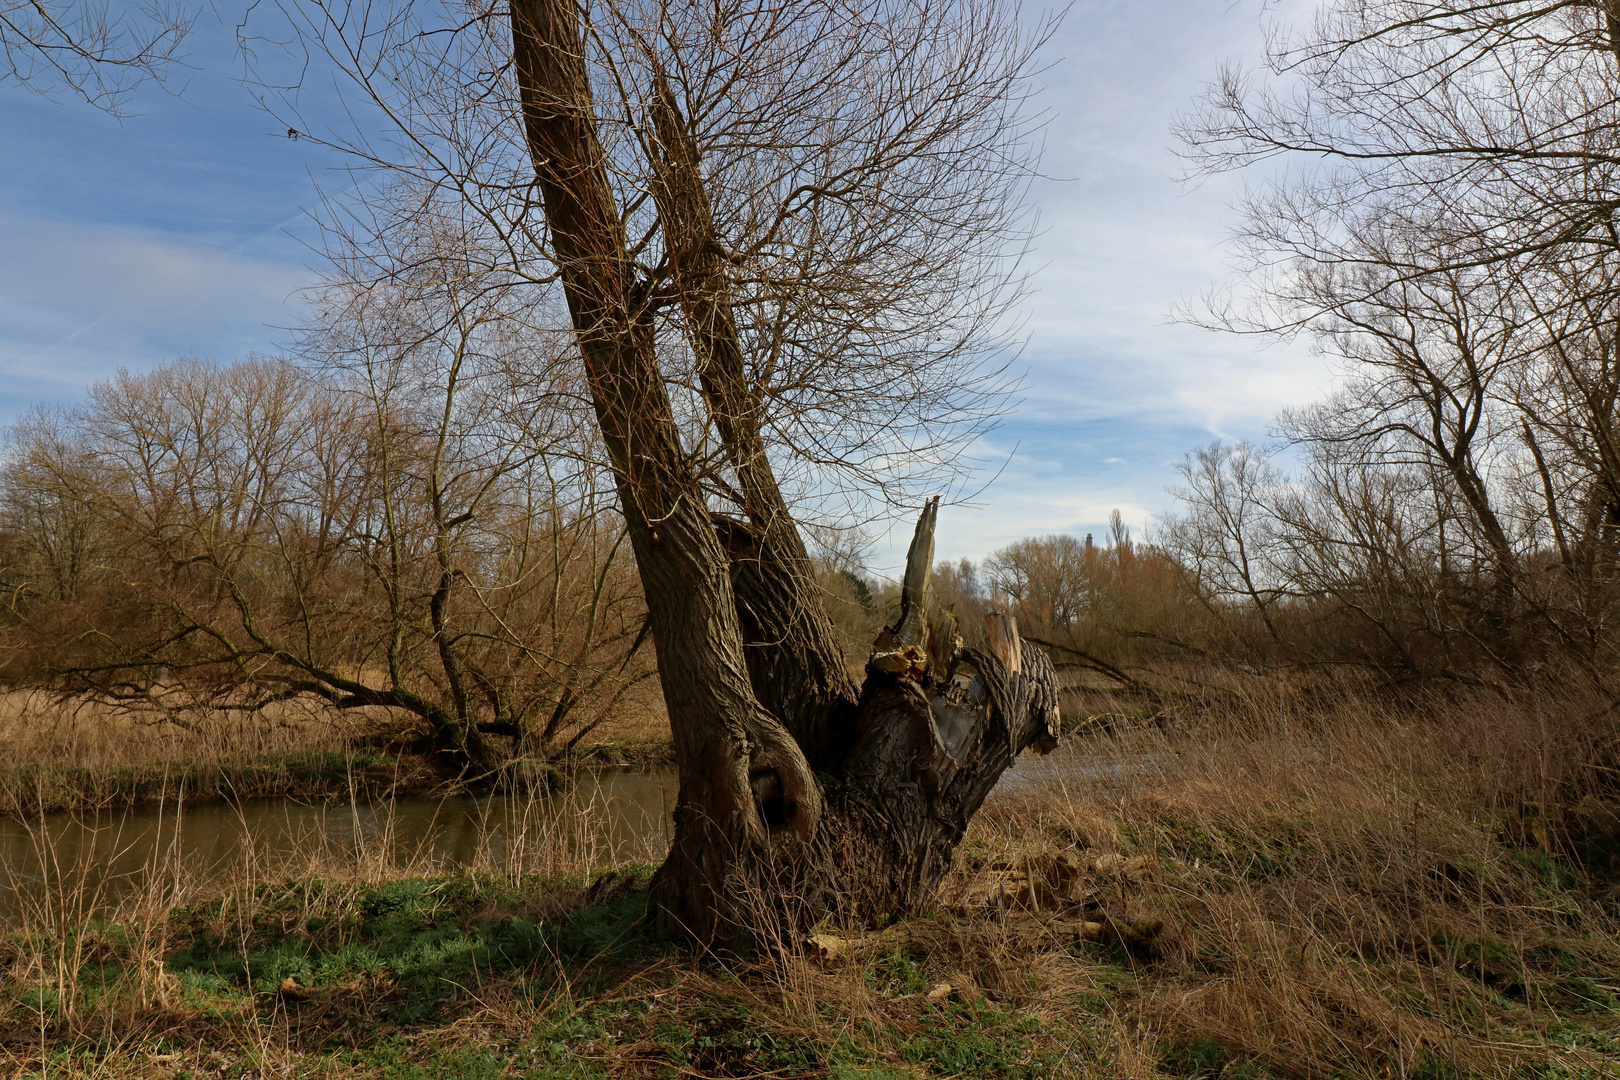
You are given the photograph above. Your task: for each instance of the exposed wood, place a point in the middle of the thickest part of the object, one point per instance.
(939, 724)
(916, 586)
(1002, 630)
(752, 678)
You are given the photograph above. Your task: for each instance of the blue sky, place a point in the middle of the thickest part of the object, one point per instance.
(181, 232)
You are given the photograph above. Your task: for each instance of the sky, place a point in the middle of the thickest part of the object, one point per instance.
(183, 231)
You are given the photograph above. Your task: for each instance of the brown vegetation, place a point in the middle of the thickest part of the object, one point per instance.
(1284, 879)
(72, 752)
(1451, 246)
(390, 540)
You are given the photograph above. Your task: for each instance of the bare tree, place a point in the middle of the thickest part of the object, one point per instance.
(1102, 607)
(1568, 391)
(52, 543)
(405, 531)
(1045, 578)
(1483, 133)
(1430, 360)
(783, 236)
(1225, 537)
(1380, 566)
(1452, 242)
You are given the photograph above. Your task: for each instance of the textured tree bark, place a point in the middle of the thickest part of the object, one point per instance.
(794, 661)
(797, 797)
(722, 736)
(938, 724)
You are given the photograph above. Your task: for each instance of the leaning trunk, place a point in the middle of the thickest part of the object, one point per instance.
(722, 737)
(794, 661)
(797, 798)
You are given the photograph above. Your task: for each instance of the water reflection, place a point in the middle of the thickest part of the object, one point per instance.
(90, 862)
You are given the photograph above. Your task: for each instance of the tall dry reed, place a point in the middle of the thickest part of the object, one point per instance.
(1349, 883)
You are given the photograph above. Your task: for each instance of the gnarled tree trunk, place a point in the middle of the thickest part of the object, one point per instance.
(799, 795)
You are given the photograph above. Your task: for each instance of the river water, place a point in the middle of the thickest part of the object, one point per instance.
(89, 862)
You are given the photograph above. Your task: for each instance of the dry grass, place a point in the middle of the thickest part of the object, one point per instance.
(1349, 886)
(89, 960)
(640, 722)
(1339, 885)
(43, 728)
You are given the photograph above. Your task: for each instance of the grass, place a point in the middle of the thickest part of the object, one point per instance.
(1271, 882)
(471, 976)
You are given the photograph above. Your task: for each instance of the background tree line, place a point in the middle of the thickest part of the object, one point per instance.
(1432, 204)
(1439, 219)
(409, 517)
(422, 531)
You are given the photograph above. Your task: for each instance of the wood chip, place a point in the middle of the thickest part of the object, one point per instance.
(825, 947)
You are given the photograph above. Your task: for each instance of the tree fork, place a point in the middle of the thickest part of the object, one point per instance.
(722, 738)
(936, 727)
(794, 661)
(760, 845)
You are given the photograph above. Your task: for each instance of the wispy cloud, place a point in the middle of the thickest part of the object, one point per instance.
(79, 300)
(1117, 390)
(128, 244)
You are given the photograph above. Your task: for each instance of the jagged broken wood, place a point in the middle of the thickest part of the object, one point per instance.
(800, 794)
(936, 726)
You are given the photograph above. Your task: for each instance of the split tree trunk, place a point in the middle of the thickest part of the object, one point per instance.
(799, 796)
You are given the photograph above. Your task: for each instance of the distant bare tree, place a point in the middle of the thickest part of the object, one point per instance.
(1225, 537)
(413, 528)
(1046, 579)
(1104, 607)
(1452, 241)
(52, 542)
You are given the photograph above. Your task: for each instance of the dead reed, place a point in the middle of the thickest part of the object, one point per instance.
(47, 728)
(1288, 879)
(1348, 884)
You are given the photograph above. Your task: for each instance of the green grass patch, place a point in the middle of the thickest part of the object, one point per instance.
(425, 939)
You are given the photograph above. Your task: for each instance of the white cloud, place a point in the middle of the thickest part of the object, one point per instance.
(1116, 392)
(78, 301)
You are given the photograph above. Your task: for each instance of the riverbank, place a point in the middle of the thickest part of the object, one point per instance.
(1279, 887)
(85, 757)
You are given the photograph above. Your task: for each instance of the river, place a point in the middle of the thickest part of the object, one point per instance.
(90, 862)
